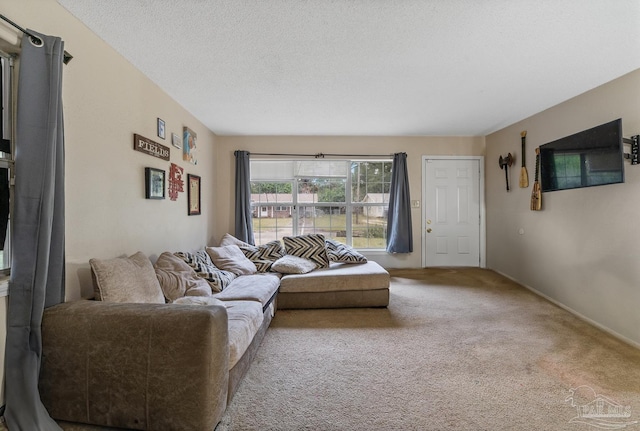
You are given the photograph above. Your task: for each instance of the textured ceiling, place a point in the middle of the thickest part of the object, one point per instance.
(369, 67)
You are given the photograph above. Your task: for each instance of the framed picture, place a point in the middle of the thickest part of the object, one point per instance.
(189, 146)
(161, 128)
(175, 141)
(154, 183)
(193, 193)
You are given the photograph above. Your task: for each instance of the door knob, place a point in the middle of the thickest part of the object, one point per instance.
(429, 230)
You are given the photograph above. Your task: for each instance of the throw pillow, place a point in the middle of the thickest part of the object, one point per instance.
(178, 279)
(262, 256)
(219, 279)
(231, 258)
(293, 265)
(311, 246)
(204, 267)
(126, 279)
(339, 252)
(229, 239)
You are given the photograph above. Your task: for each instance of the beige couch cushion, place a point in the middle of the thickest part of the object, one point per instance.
(254, 287)
(244, 320)
(338, 277)
(231, 258)
(178, 279)
(126, 279)
(199, 300)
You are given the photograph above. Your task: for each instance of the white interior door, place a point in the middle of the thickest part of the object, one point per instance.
(452, 212)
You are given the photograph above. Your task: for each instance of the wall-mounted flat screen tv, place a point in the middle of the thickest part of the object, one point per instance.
(593, 157)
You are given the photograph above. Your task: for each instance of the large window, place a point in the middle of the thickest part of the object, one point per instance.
(342, 199)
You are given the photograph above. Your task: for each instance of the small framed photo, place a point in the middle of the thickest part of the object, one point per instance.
(176, 141)
(193, 193)
(189, 146)
(161, 133)
(154, 183)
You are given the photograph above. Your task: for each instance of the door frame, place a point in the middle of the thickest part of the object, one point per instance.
(423, 224)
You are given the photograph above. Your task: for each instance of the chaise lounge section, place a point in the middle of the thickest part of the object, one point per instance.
(339, 286)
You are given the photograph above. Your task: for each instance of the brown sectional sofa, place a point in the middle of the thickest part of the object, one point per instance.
(177, 366)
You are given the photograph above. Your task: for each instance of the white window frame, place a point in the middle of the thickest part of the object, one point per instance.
(7, 160)
(348, 204)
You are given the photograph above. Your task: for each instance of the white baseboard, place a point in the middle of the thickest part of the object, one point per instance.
(574, 312)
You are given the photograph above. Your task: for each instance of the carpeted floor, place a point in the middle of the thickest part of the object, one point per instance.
(457, 349)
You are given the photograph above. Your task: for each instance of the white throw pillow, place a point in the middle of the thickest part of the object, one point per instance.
(231, 258)
(290, 264)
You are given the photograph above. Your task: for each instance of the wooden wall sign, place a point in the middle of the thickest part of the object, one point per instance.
(147, 146)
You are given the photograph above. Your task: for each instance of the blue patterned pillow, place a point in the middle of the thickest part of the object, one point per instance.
(311, 246)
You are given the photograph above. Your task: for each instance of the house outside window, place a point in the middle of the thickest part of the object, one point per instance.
(346, 200)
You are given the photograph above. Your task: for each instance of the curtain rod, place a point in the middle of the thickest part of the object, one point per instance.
(35, 39)
(322, 155)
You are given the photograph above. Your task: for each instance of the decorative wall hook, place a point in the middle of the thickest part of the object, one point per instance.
(505, 162)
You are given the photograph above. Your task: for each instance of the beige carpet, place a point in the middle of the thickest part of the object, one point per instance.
(459, 349)
(455, 350)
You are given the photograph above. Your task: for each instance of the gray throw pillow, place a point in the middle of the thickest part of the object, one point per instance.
(230, 258)
(126, 279)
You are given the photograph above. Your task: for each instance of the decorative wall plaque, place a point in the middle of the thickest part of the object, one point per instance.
(147, 146)
(193, 194)
(176, 183)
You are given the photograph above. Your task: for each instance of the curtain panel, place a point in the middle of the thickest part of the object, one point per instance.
(399, 230)
(37, 266)
(244, 226)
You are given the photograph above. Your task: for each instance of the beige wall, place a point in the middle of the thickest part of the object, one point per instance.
(415, 147)
(582, 249)
(106, 100)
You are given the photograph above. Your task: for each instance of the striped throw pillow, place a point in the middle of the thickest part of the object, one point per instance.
(339, 252)
(263, 256)
(311, 246)
(204, 267)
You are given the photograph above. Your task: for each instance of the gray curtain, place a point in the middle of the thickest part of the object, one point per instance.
(244, 227)
(399, 231)
(37, 266)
